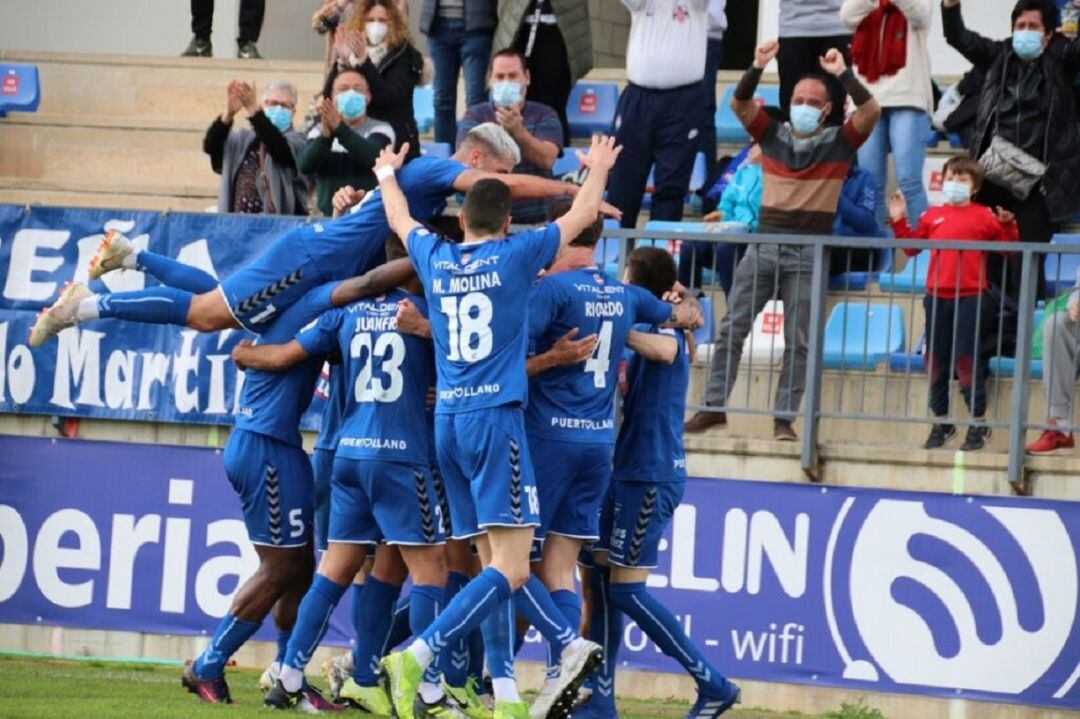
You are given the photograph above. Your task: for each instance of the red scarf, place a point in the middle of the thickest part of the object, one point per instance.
(879, 48)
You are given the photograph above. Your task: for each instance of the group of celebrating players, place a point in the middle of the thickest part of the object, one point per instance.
(494, 502)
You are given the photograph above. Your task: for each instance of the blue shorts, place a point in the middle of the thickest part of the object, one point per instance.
(373, 500)
(322, 467)
(271, 283)
(634, 516)
(571, 478)
(484, 461)
(275, 486)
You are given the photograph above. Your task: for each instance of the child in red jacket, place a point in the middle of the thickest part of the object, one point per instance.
(956, 299)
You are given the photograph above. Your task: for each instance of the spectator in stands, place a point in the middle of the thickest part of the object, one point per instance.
(956, 302)
(856, 216)
(202, 22)
(556, 40)
(714, 55)
(534, 126)
(890, 57)
(809, 29)
(739, 206)
(258, 166)
(1027, 104)
(459, 36)
(330, 20)
(804, 166)
(659, 115)
(379, 47)
(342, 148)
(1061, 350)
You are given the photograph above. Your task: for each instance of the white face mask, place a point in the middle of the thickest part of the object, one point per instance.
(376, 32)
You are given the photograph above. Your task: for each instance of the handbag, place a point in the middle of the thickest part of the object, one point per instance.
(1007, 166)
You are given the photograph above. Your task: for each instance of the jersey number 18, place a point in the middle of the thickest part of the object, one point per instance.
(469, 323)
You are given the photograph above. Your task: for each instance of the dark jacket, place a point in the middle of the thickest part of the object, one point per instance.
(480, 15)
(288, 189)
(392, 84)
(1060, 63)
(573, 22)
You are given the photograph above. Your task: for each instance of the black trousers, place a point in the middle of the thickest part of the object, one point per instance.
(799, 56)
(251, 19)
(954, 328)
(549, 70)
(1033, 222)
(714, 55)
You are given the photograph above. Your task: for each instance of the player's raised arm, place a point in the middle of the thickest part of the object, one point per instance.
(600, 159)
(394, 202)
(377, 281)
(268, 358)
(655, 348)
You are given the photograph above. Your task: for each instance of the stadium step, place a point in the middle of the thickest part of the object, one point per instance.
(91, 193)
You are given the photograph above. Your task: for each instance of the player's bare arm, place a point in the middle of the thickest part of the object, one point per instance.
(600, 159)
(411, 321)
(377, 281)
(565, 351)
(686, 311)
(268, 358)
(653, 347)
(394, 202)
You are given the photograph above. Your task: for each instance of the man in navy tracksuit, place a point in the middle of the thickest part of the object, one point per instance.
(661, 111)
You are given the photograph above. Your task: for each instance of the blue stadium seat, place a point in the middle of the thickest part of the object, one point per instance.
(859, 336)
(1060, 269)
(707, 334)
(423, 102)
(728, 127)
(607, 251)
(913, 361)
(20, 88)
(933, 138)
(859, 281)
(591, 108)
(1006, 366)
(955, 141)
(567, 164)
(436, 149)
(910, 279)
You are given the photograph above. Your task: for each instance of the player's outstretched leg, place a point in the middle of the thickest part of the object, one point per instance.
(117, 252)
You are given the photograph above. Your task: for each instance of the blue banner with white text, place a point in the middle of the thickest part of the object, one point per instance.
(109, 368)
(955, 596)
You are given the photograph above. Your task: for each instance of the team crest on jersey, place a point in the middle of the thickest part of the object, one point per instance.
(599, 278)
(681, 13)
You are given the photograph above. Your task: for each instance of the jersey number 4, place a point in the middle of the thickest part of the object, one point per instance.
(389, 348)
(469, 324)
(600, 361)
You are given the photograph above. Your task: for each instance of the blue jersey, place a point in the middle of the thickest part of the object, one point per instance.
(574, 403)
(272, 403)
(332, 386)
(387, 377)
(479, 313)
(337, 247)
(650, 443)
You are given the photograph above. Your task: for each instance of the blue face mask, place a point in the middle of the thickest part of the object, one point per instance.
(351, 104)
(805, 118)
(1027, 43)
(279, 117)
(506, 93)
(956, 193)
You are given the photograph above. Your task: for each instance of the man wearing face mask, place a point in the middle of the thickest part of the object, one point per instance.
(258, 167)
(1026, 102)
(342, 148)
(804, 165)
(535, 127)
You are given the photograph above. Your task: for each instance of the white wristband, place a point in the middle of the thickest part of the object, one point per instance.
(384, 172)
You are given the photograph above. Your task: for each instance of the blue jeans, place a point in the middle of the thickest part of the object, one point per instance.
(902, 130)
(452, 50)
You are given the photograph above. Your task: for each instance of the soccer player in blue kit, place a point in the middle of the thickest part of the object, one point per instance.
(570, 416)
(382, 484)
(478, 294)
(300, 260)
(648, 481)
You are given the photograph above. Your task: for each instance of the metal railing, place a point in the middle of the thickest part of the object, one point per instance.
(840, 376)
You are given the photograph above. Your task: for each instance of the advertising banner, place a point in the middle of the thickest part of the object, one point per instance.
(955, 596)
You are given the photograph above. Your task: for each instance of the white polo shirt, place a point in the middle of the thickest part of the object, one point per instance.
(667, 42)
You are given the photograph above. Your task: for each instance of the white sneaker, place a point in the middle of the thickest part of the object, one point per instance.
(110, 254)
(580, 659)
(268, 679)
(61, 315)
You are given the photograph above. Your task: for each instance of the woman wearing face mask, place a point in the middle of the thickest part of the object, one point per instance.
(382, 52)
(342, 148)
(1026, 129)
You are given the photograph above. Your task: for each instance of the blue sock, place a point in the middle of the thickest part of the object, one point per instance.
(569, 603)
(372, 632)
(470, 607)
(312, 620)
(455, 668)
(477, 657)
(229, 636)
(658, 622)
(424, 605)
(535, 604)
(519, 639)
(155, 305)
(606, 629)
(498, 629)
(356, 606)
(282, 645)
(172, 273)
(401, 626)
